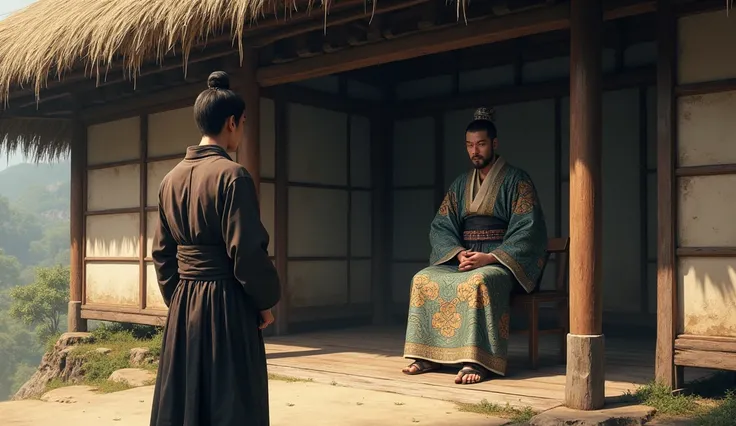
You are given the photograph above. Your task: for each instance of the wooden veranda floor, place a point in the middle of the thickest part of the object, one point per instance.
(370, 358)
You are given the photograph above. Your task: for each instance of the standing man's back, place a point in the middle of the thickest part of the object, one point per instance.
(210, 253)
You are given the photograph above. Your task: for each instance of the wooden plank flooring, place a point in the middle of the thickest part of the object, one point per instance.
(370, 358)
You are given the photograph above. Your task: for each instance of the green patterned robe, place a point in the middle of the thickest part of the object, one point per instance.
(457, 317)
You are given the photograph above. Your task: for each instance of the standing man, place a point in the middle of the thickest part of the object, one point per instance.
(488, 237)
(212, 265)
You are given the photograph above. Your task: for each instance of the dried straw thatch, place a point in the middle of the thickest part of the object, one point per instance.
(50, 38)
(38, 139)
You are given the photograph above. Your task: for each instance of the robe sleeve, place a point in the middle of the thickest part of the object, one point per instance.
(164, 258)
(524, 247)
(444, 232)
(246, 241)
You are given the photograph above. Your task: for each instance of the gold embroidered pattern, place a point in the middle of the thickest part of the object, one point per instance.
(447, 320)
(515, 268)
(541, 261)
(474, 292)
(481, 299)
(503, 326)
(496, 364)
(464, 291)
(449, 204)
(484, 235)
(525, 199)
(422, 289)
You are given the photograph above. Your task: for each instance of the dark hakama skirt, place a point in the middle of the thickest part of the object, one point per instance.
(212, 369)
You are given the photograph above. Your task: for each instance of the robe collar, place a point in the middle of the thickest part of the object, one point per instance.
(199, 152)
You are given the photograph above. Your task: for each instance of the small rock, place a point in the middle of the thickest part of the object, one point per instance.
(103, 351)
(134, 377)
(74, 338)
(139, 356)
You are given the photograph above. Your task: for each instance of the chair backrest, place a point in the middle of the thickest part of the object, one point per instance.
(559, 247)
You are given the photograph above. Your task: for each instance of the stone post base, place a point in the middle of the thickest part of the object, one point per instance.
(585, 386)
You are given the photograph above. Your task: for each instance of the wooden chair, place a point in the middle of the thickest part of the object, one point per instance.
(559, 247)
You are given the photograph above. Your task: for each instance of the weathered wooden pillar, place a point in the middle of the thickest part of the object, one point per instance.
(665, 371)
(249, 152)
(76, 225)
(585, 386)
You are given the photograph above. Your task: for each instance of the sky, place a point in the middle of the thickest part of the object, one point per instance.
(7, 7)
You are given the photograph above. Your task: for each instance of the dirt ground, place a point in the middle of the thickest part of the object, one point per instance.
(299, 403)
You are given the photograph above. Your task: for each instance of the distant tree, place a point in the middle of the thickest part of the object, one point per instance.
(10, 270)
(43, 302)
(53, 247)
(17, 230)
(19, 348)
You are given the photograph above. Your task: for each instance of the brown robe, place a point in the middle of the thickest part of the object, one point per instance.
(210, 253)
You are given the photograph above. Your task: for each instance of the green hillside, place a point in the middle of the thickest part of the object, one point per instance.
(42, 189)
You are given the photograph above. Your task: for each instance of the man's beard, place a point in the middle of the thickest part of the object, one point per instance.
(480, 162)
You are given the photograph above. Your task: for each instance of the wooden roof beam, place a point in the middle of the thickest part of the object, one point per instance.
(482, 31)
(331, 21)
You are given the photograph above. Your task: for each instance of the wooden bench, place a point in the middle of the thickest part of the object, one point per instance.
(559, 247)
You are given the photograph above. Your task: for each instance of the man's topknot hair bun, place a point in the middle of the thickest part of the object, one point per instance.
(219, 80)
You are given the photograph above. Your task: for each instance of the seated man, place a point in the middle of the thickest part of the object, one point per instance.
(488, 235)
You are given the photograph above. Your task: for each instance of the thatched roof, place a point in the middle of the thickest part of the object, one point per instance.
(39, 139)
(50, 38)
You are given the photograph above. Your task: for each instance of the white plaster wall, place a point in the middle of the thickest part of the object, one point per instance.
(706, 211)
(317, 145)
(360, 281)
(113, 235)
(171, 132)
(154, 300)
(706, 129)
(328, 223)
(114, 284)
(114, 141)
(705, 47)
(318, 283)
(413, 152)
(708, 294)
(318, 222)
(705, 136)
(114, 188)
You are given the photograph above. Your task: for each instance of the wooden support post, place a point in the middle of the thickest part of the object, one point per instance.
(249, 152)
(382, 131)
(281, 209)
(585, 386)
(75, 321)
(379, 194)
(143, 221)
(666, 260)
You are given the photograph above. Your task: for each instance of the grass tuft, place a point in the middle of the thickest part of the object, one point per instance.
(287, 379)
(505, 411)
(710, 401)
